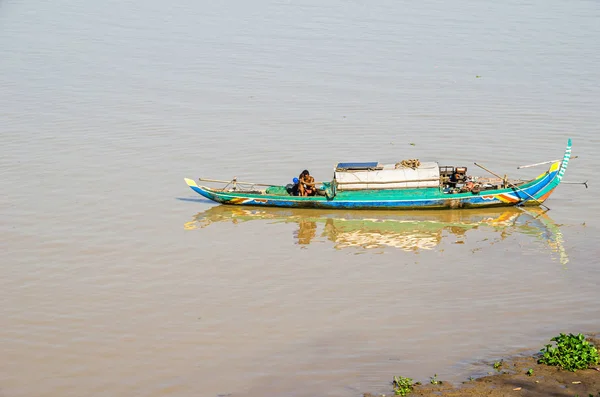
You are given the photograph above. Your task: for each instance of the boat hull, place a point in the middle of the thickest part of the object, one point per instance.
(532, 193)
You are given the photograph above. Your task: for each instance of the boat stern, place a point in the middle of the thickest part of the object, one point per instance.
(199, 189)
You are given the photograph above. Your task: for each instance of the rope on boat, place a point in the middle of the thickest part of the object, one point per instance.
(411, 163)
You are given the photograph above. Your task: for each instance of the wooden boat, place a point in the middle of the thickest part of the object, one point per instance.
(394, 186)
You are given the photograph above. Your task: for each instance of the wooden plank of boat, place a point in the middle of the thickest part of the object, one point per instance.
(531, 193)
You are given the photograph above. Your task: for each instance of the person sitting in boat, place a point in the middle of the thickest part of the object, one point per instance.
(453, 180)
(292, 188)
(306, 184)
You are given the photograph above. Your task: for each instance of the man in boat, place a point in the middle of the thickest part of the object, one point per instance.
(453, 180)
(306, 184)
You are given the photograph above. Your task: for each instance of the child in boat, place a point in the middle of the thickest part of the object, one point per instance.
(306, 185)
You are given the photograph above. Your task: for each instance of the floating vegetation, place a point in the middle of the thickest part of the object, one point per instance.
(572, 352)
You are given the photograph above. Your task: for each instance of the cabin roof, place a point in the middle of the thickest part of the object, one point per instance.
(371, 165)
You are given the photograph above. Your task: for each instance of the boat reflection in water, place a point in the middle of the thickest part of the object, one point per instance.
(408, 231)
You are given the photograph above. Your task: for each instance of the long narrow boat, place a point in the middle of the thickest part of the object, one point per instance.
(398, 186)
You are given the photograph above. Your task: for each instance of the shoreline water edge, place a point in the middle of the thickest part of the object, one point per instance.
(517, 375)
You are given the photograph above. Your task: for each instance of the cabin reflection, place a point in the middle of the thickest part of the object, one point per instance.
(412, 231)
(371, 237)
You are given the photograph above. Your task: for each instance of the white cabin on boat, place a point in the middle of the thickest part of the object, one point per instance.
(373, 175)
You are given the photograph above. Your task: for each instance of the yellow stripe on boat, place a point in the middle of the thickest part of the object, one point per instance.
(190, 182)
(553, 168)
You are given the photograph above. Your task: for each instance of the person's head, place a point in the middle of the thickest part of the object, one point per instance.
(304, 173)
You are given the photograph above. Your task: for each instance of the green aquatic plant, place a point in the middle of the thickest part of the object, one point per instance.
(402, 385)
(498, 364)
(572, 352)
(529, 372)
(434, 380)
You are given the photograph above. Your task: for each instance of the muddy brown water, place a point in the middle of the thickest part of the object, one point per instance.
(117, 280)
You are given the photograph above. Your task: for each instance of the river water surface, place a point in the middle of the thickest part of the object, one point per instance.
(117, 280)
